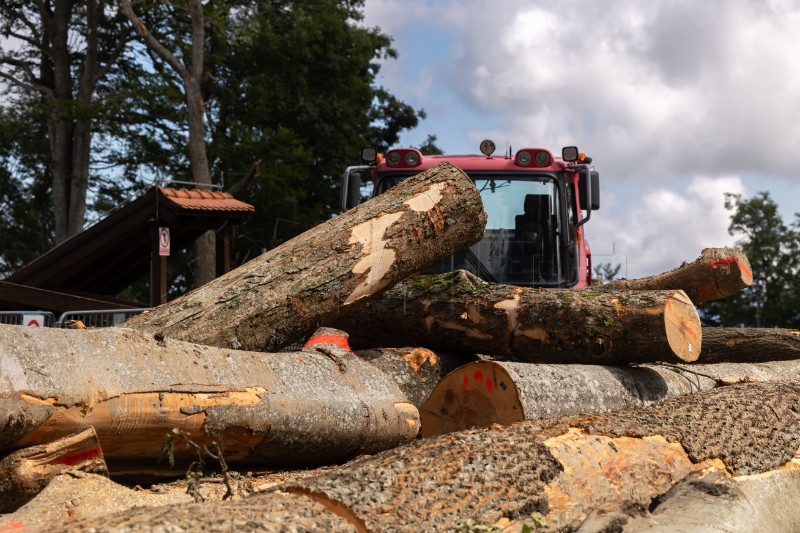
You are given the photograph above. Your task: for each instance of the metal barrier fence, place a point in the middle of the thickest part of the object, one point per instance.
(28, 318)
(99, 319)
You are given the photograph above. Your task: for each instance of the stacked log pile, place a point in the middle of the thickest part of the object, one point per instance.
(600, 409)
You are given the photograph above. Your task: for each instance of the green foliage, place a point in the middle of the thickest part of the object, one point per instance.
(773, 249)
(291, 84)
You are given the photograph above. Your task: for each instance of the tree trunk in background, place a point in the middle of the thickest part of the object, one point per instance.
(749, 344)
(453, 312)
(556, 472)
(191, 74)
(415, 370)
(497, 392)
(316, 277)
(717, 273)
(24, 473)
(315, 406)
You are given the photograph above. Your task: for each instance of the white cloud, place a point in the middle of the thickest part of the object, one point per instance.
(677, 101)
(665, 227)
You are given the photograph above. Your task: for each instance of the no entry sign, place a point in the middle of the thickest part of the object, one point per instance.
(163, 241)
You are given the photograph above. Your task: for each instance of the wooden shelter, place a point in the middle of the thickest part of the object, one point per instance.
(87, 270)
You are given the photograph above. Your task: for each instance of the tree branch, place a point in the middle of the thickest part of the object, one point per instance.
(153, 43)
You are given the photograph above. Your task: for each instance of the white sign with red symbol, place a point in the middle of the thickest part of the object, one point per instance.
(36, 321)
(163, 241)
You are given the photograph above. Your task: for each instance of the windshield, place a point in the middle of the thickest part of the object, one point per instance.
(521, 243)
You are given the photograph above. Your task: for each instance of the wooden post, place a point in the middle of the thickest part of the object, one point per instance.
(223, 243)
(158, 269)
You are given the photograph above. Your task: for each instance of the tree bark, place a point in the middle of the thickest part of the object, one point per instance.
(749, 344)
(24, 473)
(717, 273)
(710, 502)
(455, 313)
(483, 393)
(319, 405)
(416, 371)
(316, 277)
(554, 473)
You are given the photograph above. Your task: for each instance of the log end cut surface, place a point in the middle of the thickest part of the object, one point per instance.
(476, 395)
(682, 325)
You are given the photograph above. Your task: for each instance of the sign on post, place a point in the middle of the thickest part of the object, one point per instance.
(37, 321)
(163, 241)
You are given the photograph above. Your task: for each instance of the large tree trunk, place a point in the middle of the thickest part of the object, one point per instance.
(548, 475)
(560, 470)
(483, 393)
(319, 405)
(749, 344)
(454, 312)
(323, 273)
(24, 473)
(710, 502)
(717, 273)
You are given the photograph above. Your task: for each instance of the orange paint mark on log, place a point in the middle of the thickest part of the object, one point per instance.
(12, 526)
(336, 340)
(75, 458)
(725, 261)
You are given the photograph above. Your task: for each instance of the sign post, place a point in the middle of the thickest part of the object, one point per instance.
(36, 321)
(163, 241)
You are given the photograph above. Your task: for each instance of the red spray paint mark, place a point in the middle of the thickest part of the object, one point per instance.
(465, 383)
(11, 526)
(478, 375)
(336, 340)
(76, 458)
(489, 385)
(729, 260)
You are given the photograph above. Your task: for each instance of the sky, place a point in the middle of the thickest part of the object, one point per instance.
(677, 101)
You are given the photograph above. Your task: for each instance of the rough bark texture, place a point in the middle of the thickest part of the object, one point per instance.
(564, 468)
(483, 393)
(453, 312)
(93, 503)
(710, 502)
(318, 405)
(24, 473)
(717, 273)
(749, 344)
(318, 276)
(415, 370)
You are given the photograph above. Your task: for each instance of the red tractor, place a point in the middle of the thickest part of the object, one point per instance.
(536, 206)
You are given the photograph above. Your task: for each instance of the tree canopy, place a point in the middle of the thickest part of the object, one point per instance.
(289, 93)
(773, 249)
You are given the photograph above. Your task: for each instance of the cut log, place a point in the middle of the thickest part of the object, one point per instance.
(286, 293)
(455, 313)
(415, 370)
(750, 344)
(24, 473)
(318, 405)
(710, 502)
(486, 392)
(717, 273)
(554, 473)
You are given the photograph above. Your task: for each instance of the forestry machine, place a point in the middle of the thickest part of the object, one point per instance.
(536, 204)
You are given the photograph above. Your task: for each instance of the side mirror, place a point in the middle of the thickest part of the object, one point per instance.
(593, 190)
(350, 195)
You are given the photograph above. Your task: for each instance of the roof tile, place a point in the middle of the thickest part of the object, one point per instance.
(205, 200)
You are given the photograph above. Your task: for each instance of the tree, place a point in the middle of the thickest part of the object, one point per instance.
(607, 272)
(773, 249)
(54, 58)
